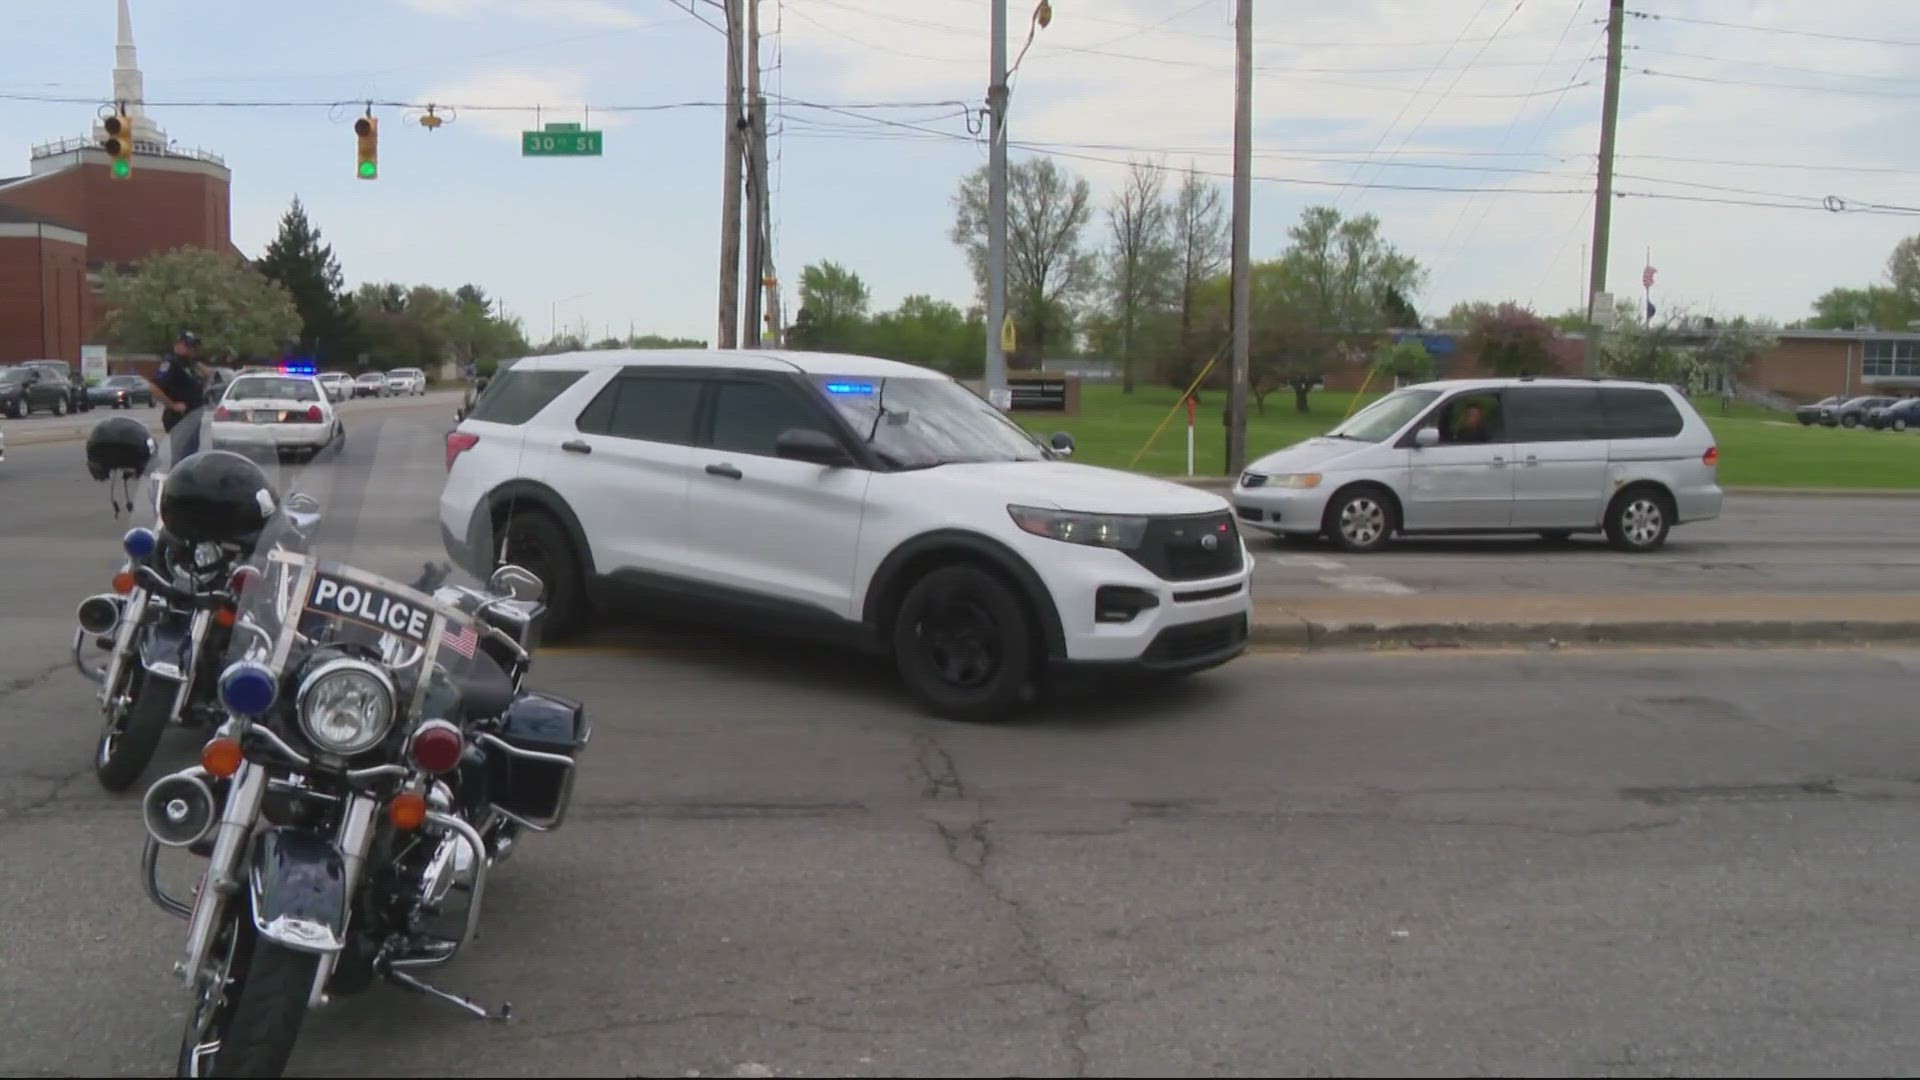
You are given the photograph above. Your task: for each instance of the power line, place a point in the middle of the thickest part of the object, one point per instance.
(1656, 51)
(1795, 87)
(1773, 29)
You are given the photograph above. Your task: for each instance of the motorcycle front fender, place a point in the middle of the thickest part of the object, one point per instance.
(163, 647)
(300, 891)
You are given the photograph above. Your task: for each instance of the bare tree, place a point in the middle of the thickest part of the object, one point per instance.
(1140, 263)
(1199, 239)
(1047, 269)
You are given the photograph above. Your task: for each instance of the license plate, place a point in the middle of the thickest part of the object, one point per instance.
(266, 416)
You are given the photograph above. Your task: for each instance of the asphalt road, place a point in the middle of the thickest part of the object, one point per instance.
(1540, 863)
(1760, 544)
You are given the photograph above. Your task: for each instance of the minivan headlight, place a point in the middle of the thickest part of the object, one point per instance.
(1301, 481)
(1121, 532)
(346, 706)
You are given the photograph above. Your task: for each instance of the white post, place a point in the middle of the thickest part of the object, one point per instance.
(1189, 444)
(996, 369)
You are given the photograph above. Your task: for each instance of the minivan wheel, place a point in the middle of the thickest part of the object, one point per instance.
(1638, 520)
(1361, 520)
(963, 645)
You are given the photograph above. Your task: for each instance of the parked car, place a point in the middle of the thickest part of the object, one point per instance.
(846, 497)
(370, 384)
(337, 384)
(1853, 412)
(407, 380)
(76, 386)
(282, 413)
(1899, 416)
(1552, 456)
(121, 392)
(1817, 413)
(25, 390)
(3, 447)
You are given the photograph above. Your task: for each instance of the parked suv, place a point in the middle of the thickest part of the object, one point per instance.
(77, 400)
(875, 502)
(1854, 412)
(1552, 456)
(1899, 416)
(406, 380)
(25, 390)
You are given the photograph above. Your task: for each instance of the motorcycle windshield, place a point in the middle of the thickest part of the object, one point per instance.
(347, 569)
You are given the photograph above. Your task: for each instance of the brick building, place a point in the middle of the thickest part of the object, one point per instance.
(67, 219)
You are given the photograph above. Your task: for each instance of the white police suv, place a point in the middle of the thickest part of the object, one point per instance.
(881, 503)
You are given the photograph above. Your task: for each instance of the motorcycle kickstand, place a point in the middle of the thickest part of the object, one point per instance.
(400, 977)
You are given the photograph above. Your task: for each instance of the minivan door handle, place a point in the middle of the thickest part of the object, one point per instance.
(576, 446)
(1532, 460)
(1497, 463)
(725, 470)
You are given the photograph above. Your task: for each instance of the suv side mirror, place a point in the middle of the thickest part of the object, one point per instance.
(1062, 443)
(1426, 436)
(811, 444)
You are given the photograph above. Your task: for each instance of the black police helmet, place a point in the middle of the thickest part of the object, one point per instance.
(121, 445)
(216, 495)
(190, 339)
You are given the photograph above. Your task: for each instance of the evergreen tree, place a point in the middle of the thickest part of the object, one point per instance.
(298, 260)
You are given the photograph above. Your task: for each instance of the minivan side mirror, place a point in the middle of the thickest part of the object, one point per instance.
(811, 444)
(1062, 443)
(1425, 437)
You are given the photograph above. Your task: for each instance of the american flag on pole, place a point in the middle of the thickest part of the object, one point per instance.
(463, 641)
(1646, 277)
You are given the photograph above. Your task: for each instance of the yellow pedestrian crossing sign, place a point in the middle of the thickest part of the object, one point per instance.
(1006, 334)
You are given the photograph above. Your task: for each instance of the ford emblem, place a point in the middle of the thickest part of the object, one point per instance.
(1209, 542)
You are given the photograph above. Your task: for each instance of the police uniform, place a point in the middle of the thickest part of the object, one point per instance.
(176, 379)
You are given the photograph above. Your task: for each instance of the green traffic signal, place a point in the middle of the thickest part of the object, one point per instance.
(121, 170)
(368, 170)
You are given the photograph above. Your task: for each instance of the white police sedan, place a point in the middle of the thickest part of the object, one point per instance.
(285, 413)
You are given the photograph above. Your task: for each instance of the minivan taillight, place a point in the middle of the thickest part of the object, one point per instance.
(459, 442)
(1711, 458)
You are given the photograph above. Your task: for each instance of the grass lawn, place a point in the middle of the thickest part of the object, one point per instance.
(1757, 447)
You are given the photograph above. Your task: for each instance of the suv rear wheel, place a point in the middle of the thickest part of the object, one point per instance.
(963, 645)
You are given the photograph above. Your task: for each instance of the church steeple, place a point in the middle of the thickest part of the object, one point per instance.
(129, 85)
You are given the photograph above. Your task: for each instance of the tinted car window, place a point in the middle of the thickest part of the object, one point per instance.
(749, 417)
(253, 387)
(652, 410)
(1639, 414)
(1553, 414)
(515, 397)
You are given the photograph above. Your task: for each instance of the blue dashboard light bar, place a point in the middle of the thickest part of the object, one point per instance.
(860, 388)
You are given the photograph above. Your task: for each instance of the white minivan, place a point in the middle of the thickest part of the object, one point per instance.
(1548, 456)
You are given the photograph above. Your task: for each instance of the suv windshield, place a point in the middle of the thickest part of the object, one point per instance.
(1378, 421)
(248, 386)
(920, 423)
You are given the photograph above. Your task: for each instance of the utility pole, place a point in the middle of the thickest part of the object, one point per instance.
(728, 337)
(1242, 210)
(1603, 185)
(756, 190)
(997, 208)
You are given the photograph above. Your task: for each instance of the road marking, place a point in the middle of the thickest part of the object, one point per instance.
(1367, 583)
(1312, 561)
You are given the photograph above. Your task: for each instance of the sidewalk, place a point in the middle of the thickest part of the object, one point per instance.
(1692, 620)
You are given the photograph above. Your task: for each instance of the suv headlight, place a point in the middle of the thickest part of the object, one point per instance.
(1094, 530)
(346, 706)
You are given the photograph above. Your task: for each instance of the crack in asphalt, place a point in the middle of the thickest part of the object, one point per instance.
(970, 847)
(29, 682)
(14, 813)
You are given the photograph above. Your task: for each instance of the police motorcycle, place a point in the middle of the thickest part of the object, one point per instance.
(377, 757)
(151, 641)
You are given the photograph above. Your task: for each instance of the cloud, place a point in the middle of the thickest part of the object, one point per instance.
(494, 102)
(588, 12)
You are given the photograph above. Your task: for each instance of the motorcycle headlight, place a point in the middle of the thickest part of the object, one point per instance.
(1094, 530)
(346, 706)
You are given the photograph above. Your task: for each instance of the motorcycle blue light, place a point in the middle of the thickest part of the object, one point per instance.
(248, 689)
(139, 543)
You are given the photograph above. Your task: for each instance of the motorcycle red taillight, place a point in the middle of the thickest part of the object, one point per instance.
(459, 442)
(436, 747)
(242, 579)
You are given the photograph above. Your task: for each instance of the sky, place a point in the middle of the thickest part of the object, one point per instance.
(1367, 105)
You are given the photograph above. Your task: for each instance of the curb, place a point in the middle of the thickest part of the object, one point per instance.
(1224, 483)
(48, 438)
(1308, 634)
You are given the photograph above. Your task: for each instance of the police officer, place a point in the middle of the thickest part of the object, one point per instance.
(180, 386)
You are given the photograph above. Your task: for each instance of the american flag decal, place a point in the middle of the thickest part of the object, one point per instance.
(463, 641)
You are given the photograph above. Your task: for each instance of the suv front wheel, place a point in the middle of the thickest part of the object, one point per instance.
(534, 540)
(963, 644)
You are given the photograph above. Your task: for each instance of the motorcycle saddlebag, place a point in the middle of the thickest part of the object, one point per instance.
(530, 780)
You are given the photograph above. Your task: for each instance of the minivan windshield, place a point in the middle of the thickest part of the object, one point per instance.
(1378, 421)
(921, 423)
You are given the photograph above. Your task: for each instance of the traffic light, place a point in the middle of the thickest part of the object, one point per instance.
(118, 142)
(368, 130)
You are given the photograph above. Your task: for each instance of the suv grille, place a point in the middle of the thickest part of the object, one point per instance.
(1176, 548)
(1194, 640)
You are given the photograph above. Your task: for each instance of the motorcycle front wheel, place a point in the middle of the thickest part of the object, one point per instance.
(131, 736)
(247, 1017)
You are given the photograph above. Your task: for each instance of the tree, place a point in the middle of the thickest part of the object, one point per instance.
(1720, 362)
(1634, 349)
(1200, 250)
(1337, 272)
(655, 341)
(833, 293)
(1462, 315)
(1903, 272)
(307, 268)
(1874, 307)
(1397, 309)
(1047, 269)
(929, 332)
(1140, 263)
(1406, 361)
(236, 310)
(1511, 340)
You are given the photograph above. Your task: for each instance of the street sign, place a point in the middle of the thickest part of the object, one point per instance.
(93, 361)
(560, 143)
(560, 127)
(1007, 336)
